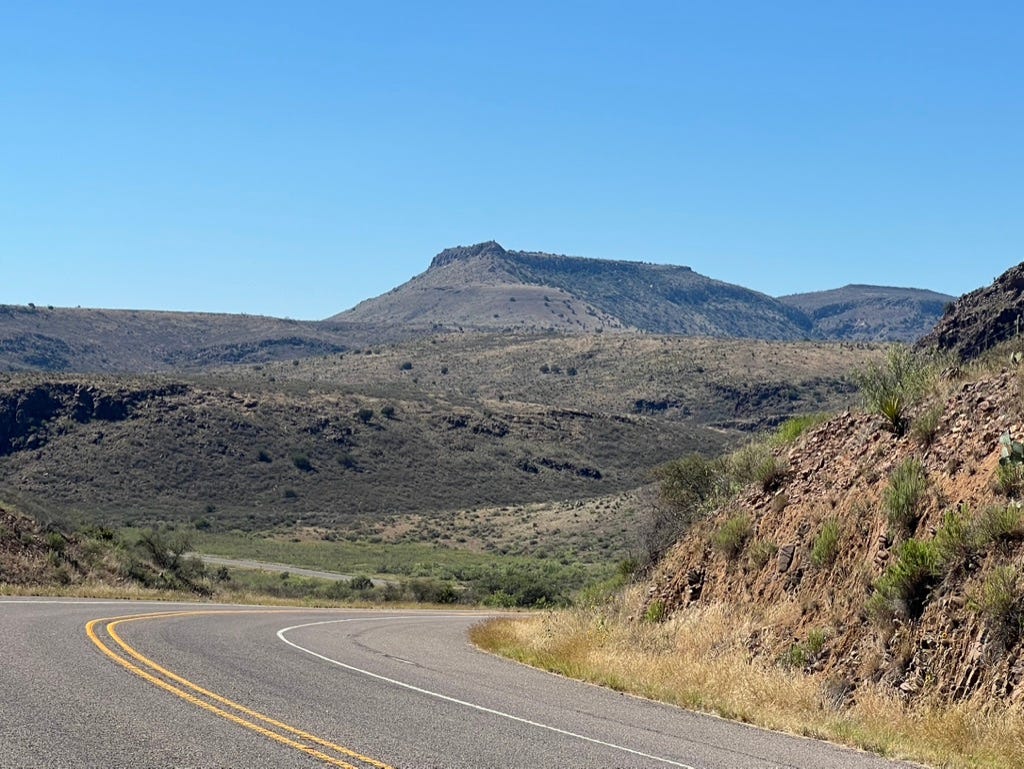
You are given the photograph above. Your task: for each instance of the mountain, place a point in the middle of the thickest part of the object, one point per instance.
(981, 319)
(858, 313)
(481, 288)
(487, 287)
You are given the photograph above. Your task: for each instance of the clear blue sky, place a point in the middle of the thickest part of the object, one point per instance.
(294, 158)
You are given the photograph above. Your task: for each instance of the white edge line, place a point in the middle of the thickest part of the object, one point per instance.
(453, 700)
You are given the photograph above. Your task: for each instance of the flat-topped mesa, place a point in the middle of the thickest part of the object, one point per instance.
(465, 253)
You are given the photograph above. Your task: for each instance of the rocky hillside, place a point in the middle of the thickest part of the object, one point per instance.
(450, 422)
(866, 313)
(983, 318)
(881, 557)
(487, 286)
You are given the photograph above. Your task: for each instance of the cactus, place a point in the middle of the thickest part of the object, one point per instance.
(1011, 451)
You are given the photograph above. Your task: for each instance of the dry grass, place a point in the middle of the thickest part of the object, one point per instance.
(700, 660)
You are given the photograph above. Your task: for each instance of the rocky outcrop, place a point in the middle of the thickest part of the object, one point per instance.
(27, 416)
(940, 644)
(980, 320)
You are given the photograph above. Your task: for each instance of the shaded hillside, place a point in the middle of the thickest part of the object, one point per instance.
(384, 431)
(866, 313)
(485, 286)
(881, 558)
(84, 340)
(981, 319)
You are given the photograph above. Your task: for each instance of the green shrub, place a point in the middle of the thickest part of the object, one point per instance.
(1009, 479)
(955, 539)
(904, 586)
(999, 523)
(730, 539)
(826, 544)
(757, 463)
(301, 461)
(761, 552)
(689, 482)
(364, 415)
(926, 426)
(388, 412)
(655, 612)
(794, 427)
(55, 542)
(801, 654)
(1000, 601)
(360, 582)
(892, 388)
(903, 495)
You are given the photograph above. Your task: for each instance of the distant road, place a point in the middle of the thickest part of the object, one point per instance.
(242, 563)
(133, 684)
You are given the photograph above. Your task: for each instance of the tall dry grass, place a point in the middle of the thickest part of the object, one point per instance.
(700, 659)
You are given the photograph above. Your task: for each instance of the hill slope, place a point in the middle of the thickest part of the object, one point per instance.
(870, 313)
(485, 286)
(921, 592)
(430, 426)
(138, 341)
(981, 319)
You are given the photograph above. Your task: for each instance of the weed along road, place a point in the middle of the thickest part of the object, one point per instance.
(131, 684)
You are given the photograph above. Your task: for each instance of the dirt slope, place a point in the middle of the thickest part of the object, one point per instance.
(941, 643)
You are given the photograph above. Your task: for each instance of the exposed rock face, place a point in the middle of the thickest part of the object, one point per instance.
(983, 318)
(27, 417)
(938, 645)
(465, 253)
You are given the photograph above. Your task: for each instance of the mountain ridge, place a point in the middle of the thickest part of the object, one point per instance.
(476, 286)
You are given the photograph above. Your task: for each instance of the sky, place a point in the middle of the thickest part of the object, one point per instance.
(292, 159)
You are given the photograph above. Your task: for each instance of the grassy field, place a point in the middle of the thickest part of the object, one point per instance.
(424, 572)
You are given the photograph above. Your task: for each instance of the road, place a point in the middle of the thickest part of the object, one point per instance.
(245, 563)
(189, 685)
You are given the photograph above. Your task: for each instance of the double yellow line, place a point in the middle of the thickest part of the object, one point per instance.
(211, 702)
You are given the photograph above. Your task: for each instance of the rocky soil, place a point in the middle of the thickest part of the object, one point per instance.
(982, 319)
(944, 647)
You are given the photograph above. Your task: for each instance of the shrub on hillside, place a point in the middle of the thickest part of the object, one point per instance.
(903, 496)
(757, 463)
(999, 523)
(892, 388)
(732, 536)
(904, 585)
(826, 544)
(790, 430)
(1000, 601)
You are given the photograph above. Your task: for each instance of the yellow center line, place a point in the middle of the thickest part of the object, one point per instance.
(113, 622)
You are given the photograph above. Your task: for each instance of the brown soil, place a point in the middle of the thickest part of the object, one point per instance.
(945, 650)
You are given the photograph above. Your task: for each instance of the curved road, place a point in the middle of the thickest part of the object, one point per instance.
(132, 684)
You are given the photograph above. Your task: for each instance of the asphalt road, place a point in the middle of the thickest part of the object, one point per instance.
(219, 686)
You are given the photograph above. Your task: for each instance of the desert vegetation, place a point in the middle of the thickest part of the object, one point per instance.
(857, 577)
